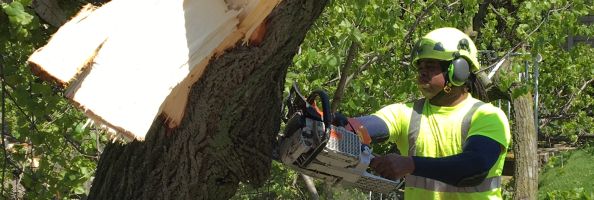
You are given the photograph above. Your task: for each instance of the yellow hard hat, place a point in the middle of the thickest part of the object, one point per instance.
(446, 44)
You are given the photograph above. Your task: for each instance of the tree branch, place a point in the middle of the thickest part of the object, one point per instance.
(566, 107)
(363, 68)
(529, 34)
(34, 126)
(478, 21)
(558, 116)
(343, 75)
(3, 120)
(374, 57)
(76, 147)
(413, 28)
(311, 187)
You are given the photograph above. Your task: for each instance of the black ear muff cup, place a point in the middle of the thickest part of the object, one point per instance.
(461, 71)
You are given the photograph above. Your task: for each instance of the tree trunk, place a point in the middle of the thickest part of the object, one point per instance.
(228, 131)
(524, 147)
(50, 12)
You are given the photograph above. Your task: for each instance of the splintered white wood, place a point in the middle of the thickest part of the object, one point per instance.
(73, 48)
(146, 57)
(143, 56)
(251, 16)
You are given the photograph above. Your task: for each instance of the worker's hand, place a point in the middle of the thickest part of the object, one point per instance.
(339, 119)
(392, 166)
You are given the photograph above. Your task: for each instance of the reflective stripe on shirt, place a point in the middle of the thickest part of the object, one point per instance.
(415, 123)
(437, 186)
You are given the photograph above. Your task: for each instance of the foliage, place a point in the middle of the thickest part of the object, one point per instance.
(507, 189)
(568, 175)
(565, 106)
(286, 184)
(570, 106)
(50, 151)
(575, 193)
(281, 185)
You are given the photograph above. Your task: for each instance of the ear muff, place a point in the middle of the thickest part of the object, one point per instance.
(458, 71)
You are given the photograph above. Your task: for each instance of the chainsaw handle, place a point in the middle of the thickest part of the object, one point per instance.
(297, 102)
(327, 114)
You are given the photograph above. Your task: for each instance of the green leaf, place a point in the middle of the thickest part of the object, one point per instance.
(345, 24)
(26, 2)
(357, 35)
(506, 79)
(79, 190)
(528, 5)
(85, 170)
(27, 181)
(14, 79)
(80, 128)
(519, 91)
(361, 3)
(518, 68)
(36, 138)
(12, 9)
(42, 89)
(16, 134)
(16, 13)
(396, 26)
(333, 61)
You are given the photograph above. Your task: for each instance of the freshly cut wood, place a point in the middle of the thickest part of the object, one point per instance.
(129, 61)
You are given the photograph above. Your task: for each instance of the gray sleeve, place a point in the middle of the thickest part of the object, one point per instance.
(376, 127)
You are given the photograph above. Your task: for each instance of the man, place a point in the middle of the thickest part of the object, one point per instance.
(453, 146)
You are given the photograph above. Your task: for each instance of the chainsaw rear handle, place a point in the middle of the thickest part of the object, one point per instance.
(326, 112)
(297, 102)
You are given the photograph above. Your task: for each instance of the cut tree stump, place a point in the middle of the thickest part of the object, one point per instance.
(129, 61)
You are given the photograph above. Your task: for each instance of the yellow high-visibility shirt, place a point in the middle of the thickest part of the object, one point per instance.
(439, 134)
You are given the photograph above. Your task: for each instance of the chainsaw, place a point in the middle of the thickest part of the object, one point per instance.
(312, 145)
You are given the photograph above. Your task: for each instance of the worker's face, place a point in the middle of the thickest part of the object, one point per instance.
(431, 79)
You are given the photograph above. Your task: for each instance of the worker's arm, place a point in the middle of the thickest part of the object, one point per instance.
(465, 169)
(468, 168)
(376, 127)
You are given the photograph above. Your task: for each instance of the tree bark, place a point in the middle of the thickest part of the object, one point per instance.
(524, 148)
(228, 131)
(478, 21)
(50, 12)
